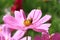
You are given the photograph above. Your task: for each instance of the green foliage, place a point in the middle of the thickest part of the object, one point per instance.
(4, 4)
(33, 33)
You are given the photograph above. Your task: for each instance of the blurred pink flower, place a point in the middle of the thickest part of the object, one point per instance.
(33, 21)
(55, 36)
(45, 36)
(5, 34)
(17, 5)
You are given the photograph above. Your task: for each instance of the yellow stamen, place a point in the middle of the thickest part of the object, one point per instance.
(28, 22)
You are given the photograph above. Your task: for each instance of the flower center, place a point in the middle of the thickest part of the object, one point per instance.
(28, 22)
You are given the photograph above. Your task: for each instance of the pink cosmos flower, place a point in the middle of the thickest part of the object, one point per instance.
(5, 34)
(33, 21)
(55, 36)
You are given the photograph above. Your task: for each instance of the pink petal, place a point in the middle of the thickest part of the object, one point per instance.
(43, 27)
(29, 27)
(10, 21)
(2, 37)
(35, 15)
(44, 19)
(5, 31)
(13, 27)
(30, 15)
(37, 37)
(19, 34)
(26, 38)
(20, 17)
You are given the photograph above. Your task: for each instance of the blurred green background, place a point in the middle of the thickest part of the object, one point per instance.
(51, 7)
